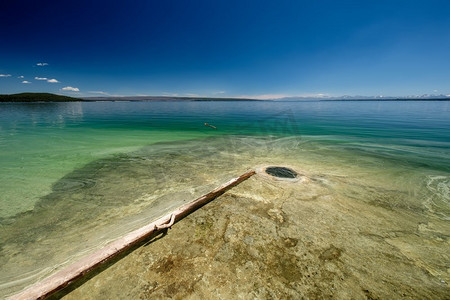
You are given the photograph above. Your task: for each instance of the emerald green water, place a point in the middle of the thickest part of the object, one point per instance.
(74, 176)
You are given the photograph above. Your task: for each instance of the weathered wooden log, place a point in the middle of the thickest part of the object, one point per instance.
(79, 269)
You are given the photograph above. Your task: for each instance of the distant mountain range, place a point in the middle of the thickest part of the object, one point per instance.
(368, 98)
(164, 98)
(297, 98)
(47, 97)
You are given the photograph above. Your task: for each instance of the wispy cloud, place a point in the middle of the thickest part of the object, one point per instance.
(170, 94)
(48, 80)
(25, 81)
(70, 89)
(5, 75)
(315, 95)
(265, 96)
(99, 92)
(42, 64)
(219, 93)
(21, 76)
(280, 96)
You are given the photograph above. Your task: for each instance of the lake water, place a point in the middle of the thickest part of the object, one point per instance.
(74, 176)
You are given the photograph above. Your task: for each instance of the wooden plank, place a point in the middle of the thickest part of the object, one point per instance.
(79, 269)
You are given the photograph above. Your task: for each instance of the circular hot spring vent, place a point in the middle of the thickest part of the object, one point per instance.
(281, 172)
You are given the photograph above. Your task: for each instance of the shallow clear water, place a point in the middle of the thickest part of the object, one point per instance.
(74, 176)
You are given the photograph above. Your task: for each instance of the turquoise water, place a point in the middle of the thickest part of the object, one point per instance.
(74, 176)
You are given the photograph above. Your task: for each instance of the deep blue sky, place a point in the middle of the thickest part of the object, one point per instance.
(226, 48)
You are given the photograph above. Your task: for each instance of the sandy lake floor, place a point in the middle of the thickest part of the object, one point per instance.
(269, 239)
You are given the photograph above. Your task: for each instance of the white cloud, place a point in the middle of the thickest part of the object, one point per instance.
(170, 94)
(280, 96)
(264, 96)
(5, 75)
(219, 92)
(25, 81)
(71, 89)
(41, 64)
(21, 76)
(48, 80)
(99, 92)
